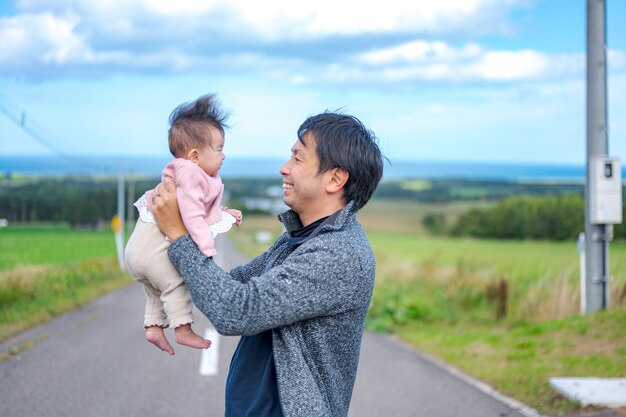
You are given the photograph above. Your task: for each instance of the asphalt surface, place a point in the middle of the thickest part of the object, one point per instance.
(94, 362)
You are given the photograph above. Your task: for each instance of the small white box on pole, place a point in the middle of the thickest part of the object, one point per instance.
(605, 187)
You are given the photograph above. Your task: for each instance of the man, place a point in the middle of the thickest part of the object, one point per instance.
(301, 305)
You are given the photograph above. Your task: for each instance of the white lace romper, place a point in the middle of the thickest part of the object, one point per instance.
(221, 226)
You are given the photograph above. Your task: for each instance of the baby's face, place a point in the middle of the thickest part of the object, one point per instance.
(211, 156)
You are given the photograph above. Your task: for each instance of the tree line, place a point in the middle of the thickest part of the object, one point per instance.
(559, 217)
(517, 210)
(87, 201)
(77, 201)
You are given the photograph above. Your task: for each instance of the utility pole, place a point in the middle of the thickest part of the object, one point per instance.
(130, 199)
(118, 223)
(603, 186)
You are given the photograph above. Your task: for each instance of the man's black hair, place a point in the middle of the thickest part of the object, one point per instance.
(344, 142)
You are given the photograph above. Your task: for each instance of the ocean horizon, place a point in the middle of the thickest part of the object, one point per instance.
(268, 167)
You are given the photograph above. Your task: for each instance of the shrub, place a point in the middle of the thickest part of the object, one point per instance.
(554, 218)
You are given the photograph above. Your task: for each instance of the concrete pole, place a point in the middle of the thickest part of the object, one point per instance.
(121, 203)
(596, 236)
(130, 200)
(583, 280)
(121, 207)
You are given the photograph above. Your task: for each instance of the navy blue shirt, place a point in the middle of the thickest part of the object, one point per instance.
(252, 386)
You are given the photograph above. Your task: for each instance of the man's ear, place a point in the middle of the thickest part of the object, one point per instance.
(193, 155)
(337, 180)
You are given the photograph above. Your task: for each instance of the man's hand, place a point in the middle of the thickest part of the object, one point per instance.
(164, 209)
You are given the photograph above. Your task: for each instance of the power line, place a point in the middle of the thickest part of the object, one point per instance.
(17, 115)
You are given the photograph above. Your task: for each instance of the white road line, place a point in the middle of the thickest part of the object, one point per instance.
(210, 357)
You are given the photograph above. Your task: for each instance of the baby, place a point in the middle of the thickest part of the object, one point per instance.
(196, 139)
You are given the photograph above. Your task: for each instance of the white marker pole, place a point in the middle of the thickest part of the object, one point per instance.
(210, 357)
(583, 272)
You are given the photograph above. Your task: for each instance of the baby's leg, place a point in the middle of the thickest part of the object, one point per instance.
(156, 336)
(139, 255)
(186, 336)
(178, 307)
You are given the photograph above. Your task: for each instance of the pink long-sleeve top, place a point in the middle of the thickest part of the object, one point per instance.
(199, 200)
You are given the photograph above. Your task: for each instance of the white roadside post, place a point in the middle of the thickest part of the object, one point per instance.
(118, 222)
(116, 226)
(580, 246)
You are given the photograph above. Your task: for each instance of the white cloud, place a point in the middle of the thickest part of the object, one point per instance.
(285, 20)
(50, 43)
(509, 65)
(438, 61)
(419, 51)
(52, 38)
(168, 7)
(616, 59)
(280, 19)
(43, 38)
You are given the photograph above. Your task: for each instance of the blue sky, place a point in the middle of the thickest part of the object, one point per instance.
(451, 80)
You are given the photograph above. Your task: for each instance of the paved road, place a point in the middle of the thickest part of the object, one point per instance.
(94, 362)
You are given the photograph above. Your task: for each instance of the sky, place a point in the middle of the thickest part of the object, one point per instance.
(449, 80)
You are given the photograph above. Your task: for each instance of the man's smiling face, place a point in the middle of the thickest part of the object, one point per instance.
(303, 187)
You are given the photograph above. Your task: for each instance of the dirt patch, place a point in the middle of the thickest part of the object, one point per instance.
(587, 345)
(480, 349)
(21, 273)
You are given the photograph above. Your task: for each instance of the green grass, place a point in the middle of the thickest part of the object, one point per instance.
(511, 259)
(416, 185)
(433, 293)
(46, 270)
(31, 295)
(57, 244)
(518, 359)
(406, 216)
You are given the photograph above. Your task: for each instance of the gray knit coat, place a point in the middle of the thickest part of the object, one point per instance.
(313, 295)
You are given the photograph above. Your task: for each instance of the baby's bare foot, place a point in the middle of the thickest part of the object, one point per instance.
(186, 336)
(156, 336)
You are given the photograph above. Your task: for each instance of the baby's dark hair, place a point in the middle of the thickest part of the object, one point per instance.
(188, 124)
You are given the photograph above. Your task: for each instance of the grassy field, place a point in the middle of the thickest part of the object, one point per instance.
(434, 293)
(52, 243)
(406, 216)
(46, 270)
(519, 358)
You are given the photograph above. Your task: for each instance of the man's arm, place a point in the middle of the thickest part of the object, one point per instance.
(164, 208)
(255, 266)
(312, 282)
